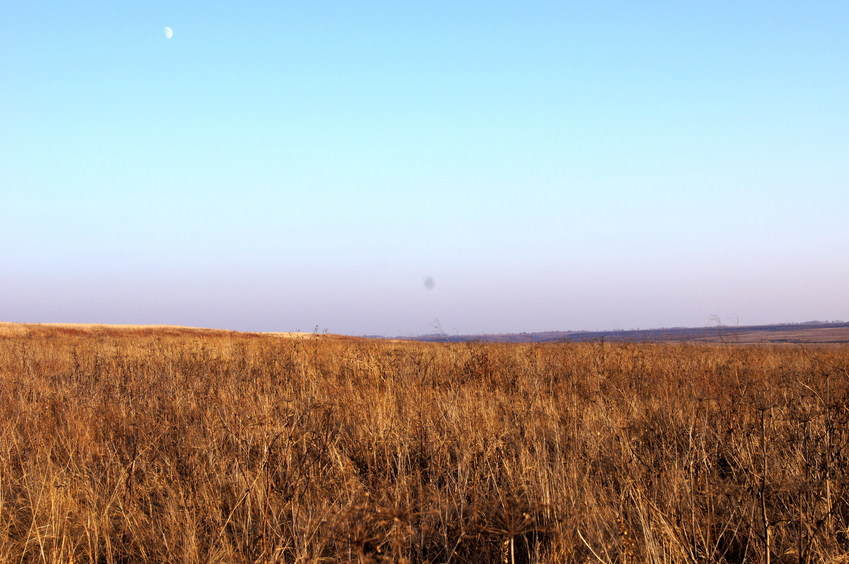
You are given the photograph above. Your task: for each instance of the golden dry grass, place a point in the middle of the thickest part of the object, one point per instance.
(203, 446)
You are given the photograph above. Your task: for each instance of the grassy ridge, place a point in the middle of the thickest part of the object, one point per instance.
(219, 447)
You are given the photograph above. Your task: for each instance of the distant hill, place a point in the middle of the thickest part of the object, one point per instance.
(832, 332)
(809, 332)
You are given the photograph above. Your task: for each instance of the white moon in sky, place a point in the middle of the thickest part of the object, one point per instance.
(169, 33)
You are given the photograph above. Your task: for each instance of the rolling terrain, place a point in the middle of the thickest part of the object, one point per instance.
(789, 333)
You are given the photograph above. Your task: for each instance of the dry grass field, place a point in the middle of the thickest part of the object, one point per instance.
(169, 445)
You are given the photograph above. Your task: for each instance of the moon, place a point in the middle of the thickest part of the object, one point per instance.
(169, 33)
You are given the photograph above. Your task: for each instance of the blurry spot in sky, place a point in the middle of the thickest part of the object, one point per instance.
(169, 33)
(429, 283)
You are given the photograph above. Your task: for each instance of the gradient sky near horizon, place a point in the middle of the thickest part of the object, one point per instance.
(398, 168)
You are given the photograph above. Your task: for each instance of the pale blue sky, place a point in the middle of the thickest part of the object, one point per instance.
(551, 165)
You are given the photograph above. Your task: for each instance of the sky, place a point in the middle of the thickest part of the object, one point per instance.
(402, 168)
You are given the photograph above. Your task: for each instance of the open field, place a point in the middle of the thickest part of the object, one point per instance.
(168, 444)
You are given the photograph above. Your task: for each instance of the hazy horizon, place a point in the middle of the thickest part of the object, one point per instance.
(407, 169)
